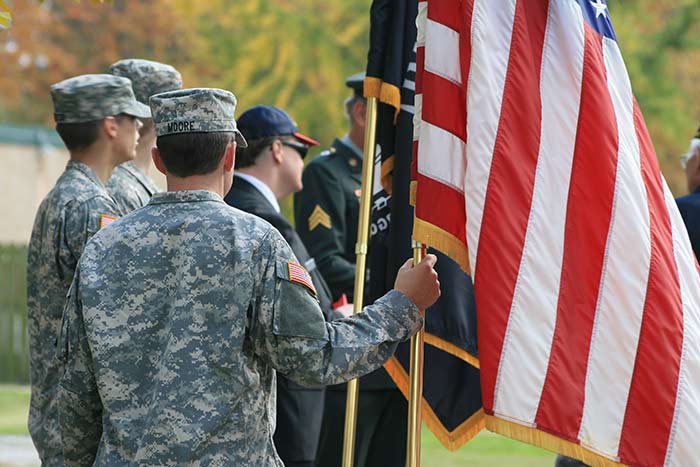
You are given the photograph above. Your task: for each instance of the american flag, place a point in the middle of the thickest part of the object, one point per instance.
(536, 172)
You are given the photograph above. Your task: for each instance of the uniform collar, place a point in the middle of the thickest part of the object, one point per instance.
(185, 196)
(138, 174)
(353, 147)
(262, 188)
(85, 170)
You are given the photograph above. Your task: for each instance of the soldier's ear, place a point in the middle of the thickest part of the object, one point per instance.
(157, 161)
(110, 127)
(230, 156)
(358, 112)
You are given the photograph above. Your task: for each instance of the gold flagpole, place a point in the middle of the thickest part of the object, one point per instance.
(361, 252)
(415, 395)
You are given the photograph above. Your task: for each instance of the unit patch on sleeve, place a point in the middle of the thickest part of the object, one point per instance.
(297, 273)
(319, 217)
(105, 220)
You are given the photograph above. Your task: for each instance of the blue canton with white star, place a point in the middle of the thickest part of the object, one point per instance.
(597, 15)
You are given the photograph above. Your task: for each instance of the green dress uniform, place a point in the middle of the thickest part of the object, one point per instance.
(326, 213)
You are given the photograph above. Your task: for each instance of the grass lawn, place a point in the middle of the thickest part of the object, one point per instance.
(14, 407)
(486, 450)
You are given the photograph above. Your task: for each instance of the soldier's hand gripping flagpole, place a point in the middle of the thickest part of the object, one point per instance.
(360, 268)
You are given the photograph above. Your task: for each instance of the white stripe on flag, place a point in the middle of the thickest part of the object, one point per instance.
(421, 19)
(683, 445)
(409, 84)
(534, 310)
(448, 169)
(445, 40)
(624, 280)
(491, 31)
(417, 115)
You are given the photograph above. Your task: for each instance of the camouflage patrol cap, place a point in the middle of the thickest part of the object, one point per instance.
(147, 77)
(196, 110)
(87, 98)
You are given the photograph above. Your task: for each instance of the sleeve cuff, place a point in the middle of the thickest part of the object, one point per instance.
(404, 312)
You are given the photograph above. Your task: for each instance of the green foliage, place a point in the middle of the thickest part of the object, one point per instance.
(295, 54)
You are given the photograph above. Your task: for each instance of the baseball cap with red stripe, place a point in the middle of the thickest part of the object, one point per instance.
(263, 121)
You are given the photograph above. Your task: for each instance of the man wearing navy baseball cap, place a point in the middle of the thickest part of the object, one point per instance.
(267, 170)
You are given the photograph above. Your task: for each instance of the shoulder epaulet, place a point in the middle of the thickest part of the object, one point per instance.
(326, 152)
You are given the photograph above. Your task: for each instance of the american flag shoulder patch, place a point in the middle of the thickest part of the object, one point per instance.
(106, 219)
(298, 274)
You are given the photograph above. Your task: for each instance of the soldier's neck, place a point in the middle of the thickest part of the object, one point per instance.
(98, 160)
(210, 182)
(143, 158)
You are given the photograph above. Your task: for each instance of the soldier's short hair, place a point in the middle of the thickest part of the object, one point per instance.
(80, 136)
(187, 154)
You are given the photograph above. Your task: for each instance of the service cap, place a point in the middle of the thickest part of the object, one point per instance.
(147, 77)
(356, 83)
(86, 98)
(195, 110)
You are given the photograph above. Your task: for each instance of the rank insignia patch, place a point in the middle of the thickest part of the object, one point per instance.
(297, 273)
(319, 217)
(105, 220)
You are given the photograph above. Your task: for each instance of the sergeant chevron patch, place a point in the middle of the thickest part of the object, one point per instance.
(319, 217)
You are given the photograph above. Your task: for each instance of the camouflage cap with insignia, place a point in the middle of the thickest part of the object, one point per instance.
(196, 110)
(147, 77)
(87, 98)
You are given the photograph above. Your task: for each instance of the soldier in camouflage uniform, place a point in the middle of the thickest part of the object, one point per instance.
(129, 184)
(181, 312)
(96, 118)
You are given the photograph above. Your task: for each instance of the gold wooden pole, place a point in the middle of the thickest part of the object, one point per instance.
(361, 253)
(415, 394)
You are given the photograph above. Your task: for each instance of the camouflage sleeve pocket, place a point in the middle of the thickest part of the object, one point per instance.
(296, 311)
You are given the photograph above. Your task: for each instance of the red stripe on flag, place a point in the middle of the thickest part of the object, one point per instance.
(444, 105)
(649, 413)
(442, 206)
(509, 190)
(465, 43)
(588, 216)
(446, 12)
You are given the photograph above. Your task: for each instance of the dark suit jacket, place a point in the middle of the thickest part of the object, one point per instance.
(299, 409)
(689, 206)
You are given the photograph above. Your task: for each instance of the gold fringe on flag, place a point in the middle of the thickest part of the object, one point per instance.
(548, 441)
(387, 177)
(441, 240)
(451, 440)
(451, 349)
